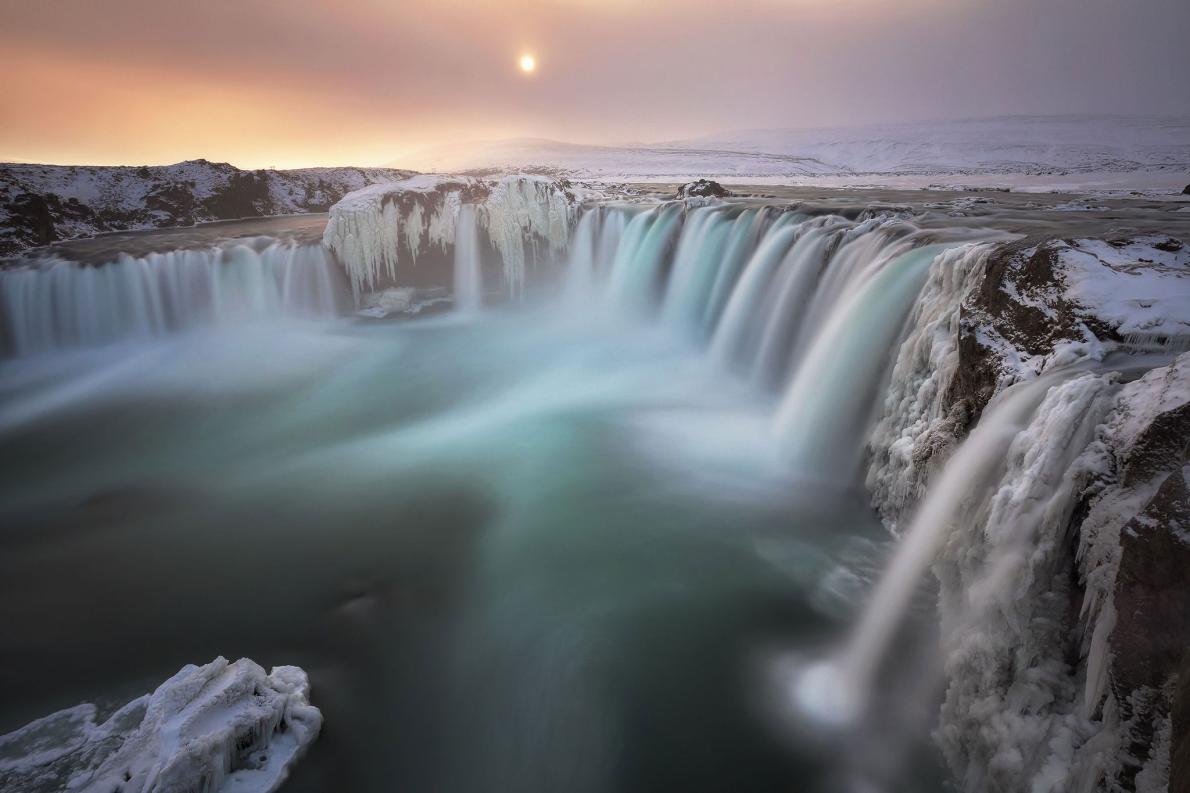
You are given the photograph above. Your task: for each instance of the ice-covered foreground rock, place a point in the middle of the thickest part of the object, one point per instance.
(225, 727)
(375, 229)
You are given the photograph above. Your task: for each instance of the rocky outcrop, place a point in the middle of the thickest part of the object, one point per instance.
(404, 234)
(1108, 575)
(40, 204)
(703, 188)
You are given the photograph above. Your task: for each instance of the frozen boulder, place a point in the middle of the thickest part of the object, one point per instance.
(219, 728)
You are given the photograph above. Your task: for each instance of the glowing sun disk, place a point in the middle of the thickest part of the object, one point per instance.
(528, 63)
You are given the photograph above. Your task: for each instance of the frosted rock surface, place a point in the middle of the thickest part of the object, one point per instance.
(375, 229)
(223, 727)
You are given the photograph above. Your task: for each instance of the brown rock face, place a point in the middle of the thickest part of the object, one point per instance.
(1152, 633)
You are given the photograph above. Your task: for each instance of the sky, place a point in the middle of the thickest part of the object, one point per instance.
(291, 83)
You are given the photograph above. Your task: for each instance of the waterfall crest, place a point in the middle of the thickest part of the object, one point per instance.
(54, 304)
(810, 307)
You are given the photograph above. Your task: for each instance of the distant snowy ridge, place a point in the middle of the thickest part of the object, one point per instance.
(40, 204)
(1005, 145)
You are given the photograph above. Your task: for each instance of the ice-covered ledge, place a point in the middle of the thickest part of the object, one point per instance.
(219, 728)
(374, 229)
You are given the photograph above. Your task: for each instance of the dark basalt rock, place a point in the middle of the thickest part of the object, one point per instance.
(33, 214)
(1186, 190)
(1152, 633)
(703, 188)
(1179, 767)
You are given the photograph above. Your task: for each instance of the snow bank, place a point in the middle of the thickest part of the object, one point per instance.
(374, 229)
(225, 727)
(1140, 287)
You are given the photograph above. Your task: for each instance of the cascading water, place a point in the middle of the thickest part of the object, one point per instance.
(54, 304)
(468, 270)
(561, 639)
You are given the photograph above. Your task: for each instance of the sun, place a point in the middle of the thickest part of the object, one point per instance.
(528, 63)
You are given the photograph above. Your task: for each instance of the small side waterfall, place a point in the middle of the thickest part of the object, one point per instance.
(966, 474)
(468, 274)
(54, 304)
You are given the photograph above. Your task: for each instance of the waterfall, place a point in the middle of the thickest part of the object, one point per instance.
(468, 275)
(822, 421)
(53, 304)
(637, 271)
(811, 306)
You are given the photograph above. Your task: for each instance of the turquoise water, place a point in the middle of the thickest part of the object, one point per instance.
(515, 553)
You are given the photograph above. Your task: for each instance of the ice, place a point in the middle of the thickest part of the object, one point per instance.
(219, 728)
(372, 229)
(915, 427)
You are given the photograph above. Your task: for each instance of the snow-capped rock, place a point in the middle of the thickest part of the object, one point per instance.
(40, 204)
(219, 728)
(703, 188)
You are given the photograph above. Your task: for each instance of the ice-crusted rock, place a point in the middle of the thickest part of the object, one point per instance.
(40, 204)
(1008, 313)
(919, 424)
(703, 188)
(1067, 682)
(223, 727)
(1134, 564)
(374, 229)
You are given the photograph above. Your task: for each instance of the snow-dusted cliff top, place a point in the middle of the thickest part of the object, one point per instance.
(40, 204)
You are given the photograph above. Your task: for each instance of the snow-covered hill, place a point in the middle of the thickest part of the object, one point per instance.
(1016, 146)
(40, 204)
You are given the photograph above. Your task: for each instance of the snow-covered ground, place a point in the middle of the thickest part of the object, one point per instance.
(40, 204)
(1032, 152)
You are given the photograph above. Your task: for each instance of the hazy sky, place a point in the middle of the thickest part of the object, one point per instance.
(316, 82)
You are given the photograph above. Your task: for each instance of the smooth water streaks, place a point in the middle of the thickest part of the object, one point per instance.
(55, 304)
